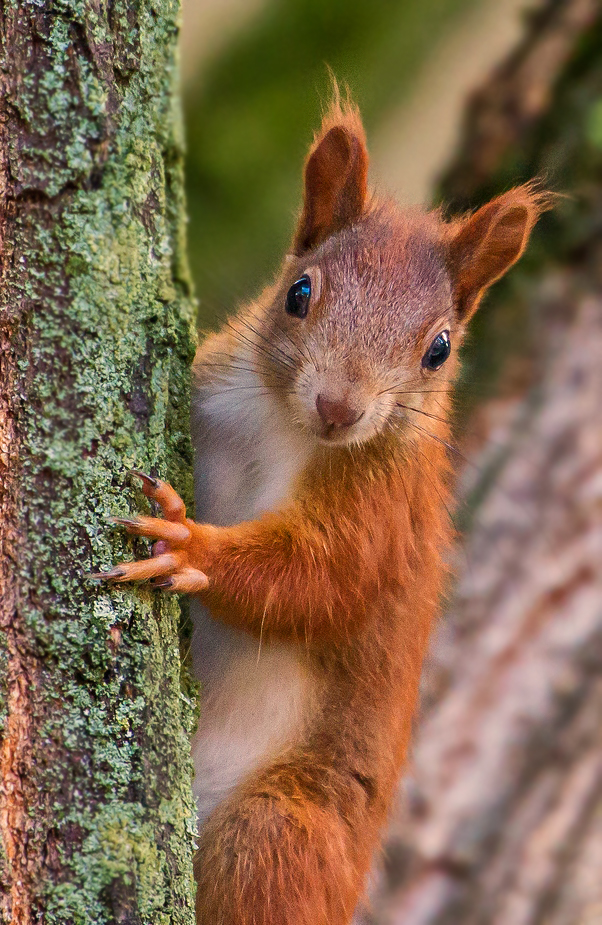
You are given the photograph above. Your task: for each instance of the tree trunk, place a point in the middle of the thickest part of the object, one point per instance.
(500, 821)
(96, 324)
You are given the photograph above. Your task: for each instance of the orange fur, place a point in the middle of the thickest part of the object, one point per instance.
(356, 583)
(342, 562)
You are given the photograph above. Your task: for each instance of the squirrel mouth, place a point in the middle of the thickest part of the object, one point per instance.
(338, 433)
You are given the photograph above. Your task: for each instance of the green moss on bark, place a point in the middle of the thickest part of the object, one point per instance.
(104, 300)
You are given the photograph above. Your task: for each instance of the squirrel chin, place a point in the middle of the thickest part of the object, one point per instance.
(344, 437)
(338, 439)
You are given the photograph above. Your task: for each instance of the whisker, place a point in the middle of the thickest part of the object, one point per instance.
(399, 382)
(427, 414)
(258, 389)
(445, 420)
(455, 516)
(303, 353)
(423, 391)
(434, 486)
(256, 346)
(229, 367)
(440, 440)
(469, 462)
(286, 359)
(395, 389)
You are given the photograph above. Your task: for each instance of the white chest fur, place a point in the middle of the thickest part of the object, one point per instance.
(255, 695)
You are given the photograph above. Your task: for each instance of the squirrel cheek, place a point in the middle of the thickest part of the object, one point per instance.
(302, 397)
(380, 411)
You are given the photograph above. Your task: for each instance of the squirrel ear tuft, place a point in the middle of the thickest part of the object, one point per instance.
(483, 246)
(335, 177)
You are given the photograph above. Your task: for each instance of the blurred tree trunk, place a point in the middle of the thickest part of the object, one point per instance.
(95, 344)
(500, 821)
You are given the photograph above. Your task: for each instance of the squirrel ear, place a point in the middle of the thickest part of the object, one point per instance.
(482, 247)
(335, 177)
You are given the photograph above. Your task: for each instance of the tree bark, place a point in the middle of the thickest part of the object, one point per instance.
(500, 818)
(96, 337)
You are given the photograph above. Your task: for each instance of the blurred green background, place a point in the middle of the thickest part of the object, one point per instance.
(256, 77)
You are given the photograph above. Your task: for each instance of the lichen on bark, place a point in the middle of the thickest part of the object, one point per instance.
(96, 338)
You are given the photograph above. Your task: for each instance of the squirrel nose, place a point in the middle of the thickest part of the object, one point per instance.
(337, 413)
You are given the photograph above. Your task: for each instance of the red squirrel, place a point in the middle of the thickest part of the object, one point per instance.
(320, 424)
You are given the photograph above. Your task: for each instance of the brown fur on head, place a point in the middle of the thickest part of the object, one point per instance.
(385, 283)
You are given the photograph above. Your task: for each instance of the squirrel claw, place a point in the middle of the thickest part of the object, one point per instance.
(116, 572)
(178, 534)
(186, 580)
(149, 484)
(168, 500)
(173, 534)
(143, 570)
(163, 585)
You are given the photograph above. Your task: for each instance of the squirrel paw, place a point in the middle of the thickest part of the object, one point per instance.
(170, 564)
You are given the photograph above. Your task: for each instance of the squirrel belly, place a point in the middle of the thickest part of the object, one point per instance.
(252, 708)
(257, 695)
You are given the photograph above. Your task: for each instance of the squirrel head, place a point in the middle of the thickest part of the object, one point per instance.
(368, 314)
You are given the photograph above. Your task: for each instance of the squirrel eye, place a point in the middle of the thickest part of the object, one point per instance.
(297, 299)
(438, 352)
